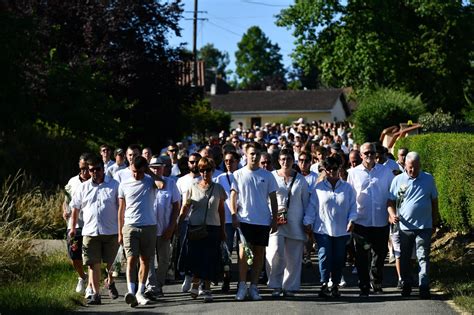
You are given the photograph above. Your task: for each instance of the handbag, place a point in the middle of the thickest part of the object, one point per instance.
(199, 232)
(282, 215)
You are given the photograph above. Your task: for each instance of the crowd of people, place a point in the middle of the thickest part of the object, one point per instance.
(273, 192)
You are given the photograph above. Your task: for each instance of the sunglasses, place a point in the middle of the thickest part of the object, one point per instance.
(368, 153)
(94, 169)
(265, 162)
(192, 162)
(172, 150)
(205, 170)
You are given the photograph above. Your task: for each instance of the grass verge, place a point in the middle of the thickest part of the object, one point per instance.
(452, 268)
(47, 289)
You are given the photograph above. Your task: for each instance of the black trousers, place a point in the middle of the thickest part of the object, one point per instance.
(370, 251)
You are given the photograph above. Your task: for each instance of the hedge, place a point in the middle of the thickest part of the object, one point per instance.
(449, 158)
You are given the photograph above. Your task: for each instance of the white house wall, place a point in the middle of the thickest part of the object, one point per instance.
(278, 117)
(338, 112)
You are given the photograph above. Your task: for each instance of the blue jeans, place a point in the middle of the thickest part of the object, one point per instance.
(421, 239)
(332, 256)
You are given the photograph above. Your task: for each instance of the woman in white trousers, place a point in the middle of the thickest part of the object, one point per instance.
(285, 247)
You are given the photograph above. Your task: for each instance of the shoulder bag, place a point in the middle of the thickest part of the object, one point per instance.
(282, 216)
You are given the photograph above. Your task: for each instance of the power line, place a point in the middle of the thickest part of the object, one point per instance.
(225, 29)
(265, 4)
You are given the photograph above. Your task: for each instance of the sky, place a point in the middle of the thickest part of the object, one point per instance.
(227, 20)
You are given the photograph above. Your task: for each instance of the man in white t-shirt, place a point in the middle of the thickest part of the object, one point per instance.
(250, 191)
(166, 207)
(74, 245)
(184, 183)
(137, 226)
(133, 151)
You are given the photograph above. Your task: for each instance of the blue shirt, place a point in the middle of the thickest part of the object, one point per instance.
(415, 209)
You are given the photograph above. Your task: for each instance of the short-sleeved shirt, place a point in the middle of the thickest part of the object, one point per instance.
(139, 197)
(372, 192)
(415, 209)
(163, 204)
(225, 180)
(202, 198)
(99, 206)
(253, 188)
(114, 168)
(123, 175)
(71, 187)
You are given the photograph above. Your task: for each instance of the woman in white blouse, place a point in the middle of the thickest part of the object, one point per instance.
(333, 224)
(285, 247)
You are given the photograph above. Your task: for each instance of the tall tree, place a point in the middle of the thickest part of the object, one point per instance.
(215, 61)
(259, 62)
(424, 47)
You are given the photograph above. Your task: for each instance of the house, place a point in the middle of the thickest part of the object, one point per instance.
(259, 107)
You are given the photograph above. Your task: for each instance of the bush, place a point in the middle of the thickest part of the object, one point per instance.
(448, 156)
(383, 108)
(437, 122)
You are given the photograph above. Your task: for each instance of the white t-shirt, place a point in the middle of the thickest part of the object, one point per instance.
(253, 188)
(184, 183)
(163, 204)
(99, 206)
(225, 180)
(123, 175)
(114, 168)
(139, 196)
(71, 187)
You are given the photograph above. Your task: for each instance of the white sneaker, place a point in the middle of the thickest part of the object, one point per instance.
(241, 292)
(330, 283)
(81, 285)
(253, 292)
(342, 283)
(89, 293)
(186, 286)
(141, 299)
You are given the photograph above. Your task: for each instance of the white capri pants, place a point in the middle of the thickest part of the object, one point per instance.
(284, 258)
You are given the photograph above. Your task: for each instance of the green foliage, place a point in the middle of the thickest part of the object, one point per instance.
(202, 119)
(436, 122)
(259, 62)
(424, 47)
(448, 156)
(215, 61)
(383, 108)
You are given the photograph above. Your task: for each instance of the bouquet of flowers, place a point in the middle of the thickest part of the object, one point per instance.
(247, 250)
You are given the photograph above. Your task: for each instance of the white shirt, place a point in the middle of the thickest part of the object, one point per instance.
(225, 180)
(254, 188)
(114, 168)
(216, 174)
(175, 171)
(163, 204)
(372, 192)
(139, 196)
(184, 183)
(315, 168)
(312, 180)
(99, 206)
(123, 174)
(336, 208)
(71, 187)
(391, 164)
(299, 200)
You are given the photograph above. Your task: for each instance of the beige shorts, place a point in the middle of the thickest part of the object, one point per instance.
(139, 240)
(99, 248)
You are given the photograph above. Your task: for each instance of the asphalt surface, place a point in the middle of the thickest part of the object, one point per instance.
(305, 302)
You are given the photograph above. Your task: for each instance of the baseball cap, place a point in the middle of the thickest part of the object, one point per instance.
(157, 161)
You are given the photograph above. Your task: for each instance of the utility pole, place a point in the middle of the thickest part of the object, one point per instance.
(194, 43)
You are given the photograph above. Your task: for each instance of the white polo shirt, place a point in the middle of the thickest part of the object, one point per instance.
(372, 192)
(163, 204)
(99, 206)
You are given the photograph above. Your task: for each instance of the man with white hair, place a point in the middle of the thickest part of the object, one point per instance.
(413, 207)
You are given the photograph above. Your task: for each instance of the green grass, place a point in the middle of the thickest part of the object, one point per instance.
(47, 289)
(452, 271)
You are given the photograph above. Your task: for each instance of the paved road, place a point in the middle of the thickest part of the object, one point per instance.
(306, 302)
